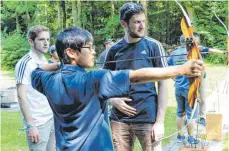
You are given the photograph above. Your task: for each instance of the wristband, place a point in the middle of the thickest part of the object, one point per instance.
(28, 126)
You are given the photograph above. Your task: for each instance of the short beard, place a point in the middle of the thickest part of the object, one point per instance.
(133, 35)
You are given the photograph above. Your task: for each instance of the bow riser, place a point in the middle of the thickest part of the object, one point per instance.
(192, 53)
(193, 94)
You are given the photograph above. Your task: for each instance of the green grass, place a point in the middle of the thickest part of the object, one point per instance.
(170, 123)
(226, 143)
(11, 138)
(8, 73)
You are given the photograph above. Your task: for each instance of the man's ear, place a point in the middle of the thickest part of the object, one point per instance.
(30, 41)
(71, 53)
(123, 23)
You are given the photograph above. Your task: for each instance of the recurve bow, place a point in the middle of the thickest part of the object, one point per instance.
(192, 53)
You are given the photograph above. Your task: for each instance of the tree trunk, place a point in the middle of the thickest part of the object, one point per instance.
(46, 13)
(74, 13)
(112, 8)
(145, 4)
(167, 39)
(17, 22)
(27, 13)
(112, 16)
(227, 16)
(64, 12)
(60, 25)
(91, 17)
(78, 13)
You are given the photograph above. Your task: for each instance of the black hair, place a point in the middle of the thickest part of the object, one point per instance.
(71, 37)
(130, 9)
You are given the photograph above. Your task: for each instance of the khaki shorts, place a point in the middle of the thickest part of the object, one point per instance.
(47, 138)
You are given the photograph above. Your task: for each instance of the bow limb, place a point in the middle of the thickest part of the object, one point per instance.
(227, 50)
(227, 30)
(192, 53)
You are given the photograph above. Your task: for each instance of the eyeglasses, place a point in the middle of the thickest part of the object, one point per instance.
(90, 47)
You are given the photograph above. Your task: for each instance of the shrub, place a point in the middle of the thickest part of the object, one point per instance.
(13, 48)
(216, 58)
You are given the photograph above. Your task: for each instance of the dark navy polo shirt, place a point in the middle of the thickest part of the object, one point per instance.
(144, 95)
(77, 100)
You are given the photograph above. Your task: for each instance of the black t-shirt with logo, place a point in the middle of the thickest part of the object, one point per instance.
(135, 56)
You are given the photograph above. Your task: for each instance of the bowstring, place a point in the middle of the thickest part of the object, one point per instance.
(155, 57)
(189, 121)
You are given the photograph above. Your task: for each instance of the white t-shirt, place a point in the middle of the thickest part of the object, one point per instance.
(38, 103)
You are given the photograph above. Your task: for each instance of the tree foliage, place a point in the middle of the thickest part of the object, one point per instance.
(212, 33)
(14, 47)
(101, 18)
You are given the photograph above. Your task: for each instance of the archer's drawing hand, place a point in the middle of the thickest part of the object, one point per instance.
(33, 134)
(193, 68)
(120, 104)
(158, 131)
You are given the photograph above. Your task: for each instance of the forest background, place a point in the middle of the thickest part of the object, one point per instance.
(101, 18)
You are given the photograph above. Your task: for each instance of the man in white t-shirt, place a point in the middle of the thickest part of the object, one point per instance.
(38, 116)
